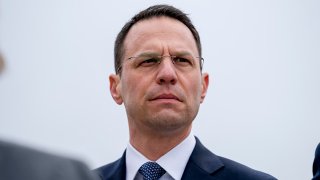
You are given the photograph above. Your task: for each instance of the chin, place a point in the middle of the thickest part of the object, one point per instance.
(168, 122)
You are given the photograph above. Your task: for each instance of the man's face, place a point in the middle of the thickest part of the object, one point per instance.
(160, 95)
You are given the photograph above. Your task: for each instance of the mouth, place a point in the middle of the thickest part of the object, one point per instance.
(166, 97)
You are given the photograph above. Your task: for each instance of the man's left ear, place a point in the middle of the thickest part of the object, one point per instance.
(205, 84)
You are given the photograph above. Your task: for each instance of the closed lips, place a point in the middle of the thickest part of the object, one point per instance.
(167, 96)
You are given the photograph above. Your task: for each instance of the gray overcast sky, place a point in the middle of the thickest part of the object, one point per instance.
(263, 56)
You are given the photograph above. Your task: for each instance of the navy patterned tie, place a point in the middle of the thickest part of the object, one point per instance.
(151, 171)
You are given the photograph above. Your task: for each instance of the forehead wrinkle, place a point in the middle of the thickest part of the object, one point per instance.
(163, 48)
(141, 41)
(146, 49)
(180, 52)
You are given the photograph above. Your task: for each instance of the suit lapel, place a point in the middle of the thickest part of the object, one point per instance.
(116, 170)
(202, 164)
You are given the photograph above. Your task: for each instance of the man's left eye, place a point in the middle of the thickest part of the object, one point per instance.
(181, 60)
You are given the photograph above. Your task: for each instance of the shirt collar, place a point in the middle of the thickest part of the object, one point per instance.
(174, 161)
(134, 160)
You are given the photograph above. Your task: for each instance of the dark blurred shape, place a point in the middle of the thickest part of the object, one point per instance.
(316, 164)
(1, 63)
(19, 162)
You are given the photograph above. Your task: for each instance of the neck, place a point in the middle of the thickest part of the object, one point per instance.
(153, 145)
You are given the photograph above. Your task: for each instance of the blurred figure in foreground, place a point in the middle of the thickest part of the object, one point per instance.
(19, 162)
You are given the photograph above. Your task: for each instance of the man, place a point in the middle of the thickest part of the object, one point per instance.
(19, 162)
(316, 164)
(159, 80)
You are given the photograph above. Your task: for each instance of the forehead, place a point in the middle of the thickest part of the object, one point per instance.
(159, 34)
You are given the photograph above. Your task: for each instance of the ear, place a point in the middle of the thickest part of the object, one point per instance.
(115, 88)
(205, 84)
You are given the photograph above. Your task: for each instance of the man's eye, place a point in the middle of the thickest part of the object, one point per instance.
(149, 62)
(182, 61)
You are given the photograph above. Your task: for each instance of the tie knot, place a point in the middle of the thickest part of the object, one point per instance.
(151, 171)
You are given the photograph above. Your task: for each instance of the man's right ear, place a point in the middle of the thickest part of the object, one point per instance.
(115, 88)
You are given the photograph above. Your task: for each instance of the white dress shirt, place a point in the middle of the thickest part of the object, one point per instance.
(174, 161)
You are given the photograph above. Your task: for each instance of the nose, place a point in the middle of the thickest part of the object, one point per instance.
(166, 73)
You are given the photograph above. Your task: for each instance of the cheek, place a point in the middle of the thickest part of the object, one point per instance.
(132, 88)
(193, 87)
(197, 93)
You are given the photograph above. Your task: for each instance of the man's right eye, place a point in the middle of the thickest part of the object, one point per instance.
(149, 62)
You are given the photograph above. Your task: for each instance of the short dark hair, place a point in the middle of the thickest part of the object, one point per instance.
(152, 11)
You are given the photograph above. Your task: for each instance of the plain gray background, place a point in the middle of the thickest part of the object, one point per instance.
(263, 56)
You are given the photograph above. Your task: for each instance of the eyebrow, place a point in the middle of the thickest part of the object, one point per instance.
(183, 53)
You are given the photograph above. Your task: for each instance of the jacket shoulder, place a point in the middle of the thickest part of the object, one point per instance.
(205, 164)
(21, 162)
(235, 170)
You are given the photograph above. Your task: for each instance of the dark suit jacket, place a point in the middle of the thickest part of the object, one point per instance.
(316, 164)
(202, 165)
(22, 163)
